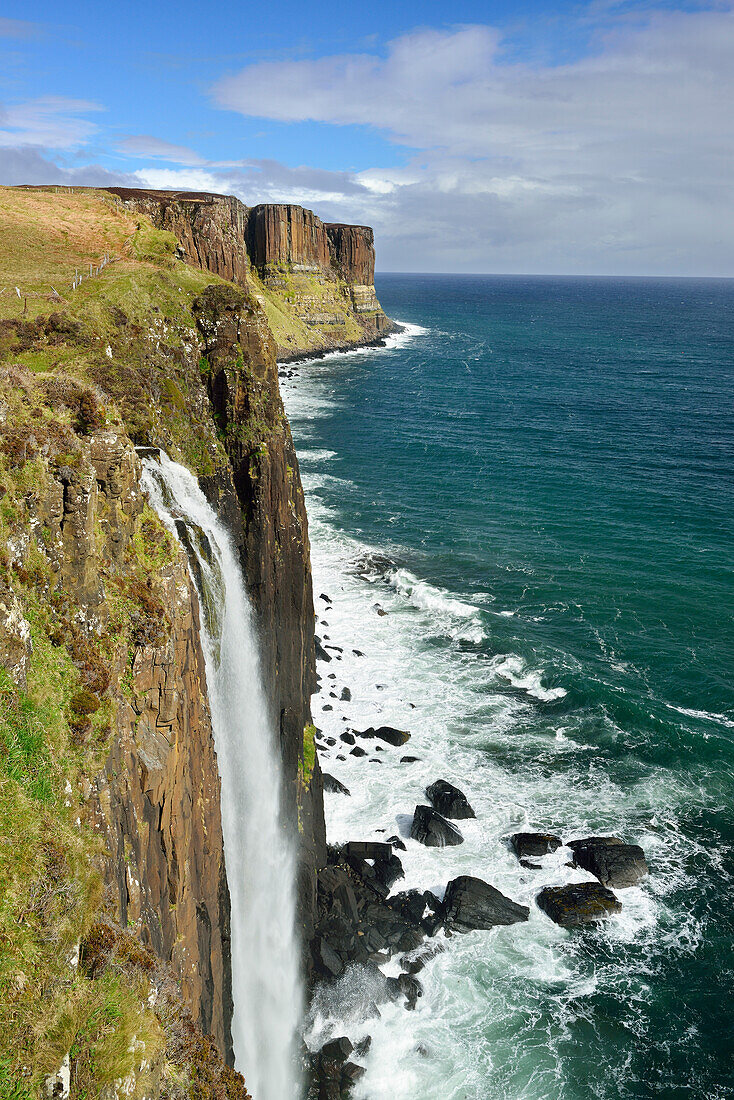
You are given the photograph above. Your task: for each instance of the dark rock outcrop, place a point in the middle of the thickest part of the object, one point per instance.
(580, 903)
(532, 845)
(449, 800)
(470, 903)
(333, 786)
(431, 829)
(357, 922)
(614, 863)
(385, 733)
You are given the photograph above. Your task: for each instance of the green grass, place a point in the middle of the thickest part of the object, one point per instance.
(308, 761)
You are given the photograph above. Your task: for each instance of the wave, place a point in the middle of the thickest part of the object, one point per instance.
(467, 626)
(706, 716)
(392, 342)
(514, 670)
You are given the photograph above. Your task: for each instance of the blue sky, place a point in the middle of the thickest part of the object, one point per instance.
(545, 136)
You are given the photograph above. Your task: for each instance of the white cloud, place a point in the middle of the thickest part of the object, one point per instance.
(152, 148)
(51, 122)
(619, 161)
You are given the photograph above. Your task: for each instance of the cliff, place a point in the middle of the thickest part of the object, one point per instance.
(109, 789)
(314, 280)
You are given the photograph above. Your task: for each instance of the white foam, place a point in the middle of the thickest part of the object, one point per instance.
(514, 670)
(704, 715)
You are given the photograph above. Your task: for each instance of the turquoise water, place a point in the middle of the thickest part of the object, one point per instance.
(547, 467)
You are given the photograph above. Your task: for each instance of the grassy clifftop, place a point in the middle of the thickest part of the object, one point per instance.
(86, 576)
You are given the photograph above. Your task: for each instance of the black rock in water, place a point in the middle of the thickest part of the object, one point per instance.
(433, 830)
(321, 654)
(612, 861)
(386, 733)
(347, 738)
(409, 759)
(449, 800)
(528, 845)
(396, 843)
(325, 598)
(333, 786)
(470, 903)
(357, 751)
(346, 695)
(580, 903)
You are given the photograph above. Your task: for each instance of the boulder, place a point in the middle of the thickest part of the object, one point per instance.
(409, 759)
(613, 862)
(433, 830)
(580, 903)
(346, 695)
(333, 786)
(530, 845)
(357, 751)
(386, 733)
(321, 654)
(449, 800)
(470, 903)
(347, 738)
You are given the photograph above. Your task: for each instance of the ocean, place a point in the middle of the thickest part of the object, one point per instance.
(522, 512)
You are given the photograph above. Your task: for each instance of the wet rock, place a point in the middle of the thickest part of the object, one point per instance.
(367, 849)
(357, 751)
(449, 800)
(385, 733)
(613, 862)
(409, 759)
(334, 648)
(333, 786)
(362, 1047)
(346, 695)
(358, 653)
(397, 843)
(433, 830)
(530, 866)
(321, 654)
(471, 903)
(406, 986)
(529, 845)
(325, 598)
(327, 706)
(410, 903)
(580, 903)
(347, 738)
(380, 610)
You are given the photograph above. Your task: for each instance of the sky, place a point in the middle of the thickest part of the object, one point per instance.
(540, 136)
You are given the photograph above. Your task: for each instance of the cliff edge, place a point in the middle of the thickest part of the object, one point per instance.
(314, 280)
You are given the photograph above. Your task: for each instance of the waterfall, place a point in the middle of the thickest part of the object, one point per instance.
(259, 856)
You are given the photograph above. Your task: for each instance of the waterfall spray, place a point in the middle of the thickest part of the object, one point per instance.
(259, 857)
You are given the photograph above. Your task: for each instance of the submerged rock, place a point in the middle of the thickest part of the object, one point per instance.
(580, 903)
(333, 786)
(386, 733)
(470, 903)
(449, 800)
(612, 861)
(409, 759)
(433, 830)
(529, 845)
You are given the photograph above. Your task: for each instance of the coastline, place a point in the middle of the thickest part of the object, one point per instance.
(300, 357)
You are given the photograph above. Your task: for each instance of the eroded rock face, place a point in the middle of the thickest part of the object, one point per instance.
(470, 903)
(261, 499)
(614, 863)
(210, 228)
(352, 252)
(285, 234)
(580, 903)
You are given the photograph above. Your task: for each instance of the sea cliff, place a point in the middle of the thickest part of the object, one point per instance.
(116, 970)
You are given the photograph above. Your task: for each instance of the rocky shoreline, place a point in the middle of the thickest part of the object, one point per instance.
(363, 921)
(300, 357)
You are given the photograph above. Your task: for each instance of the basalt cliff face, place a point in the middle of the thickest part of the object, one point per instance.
(115, 911)
(314, 280)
